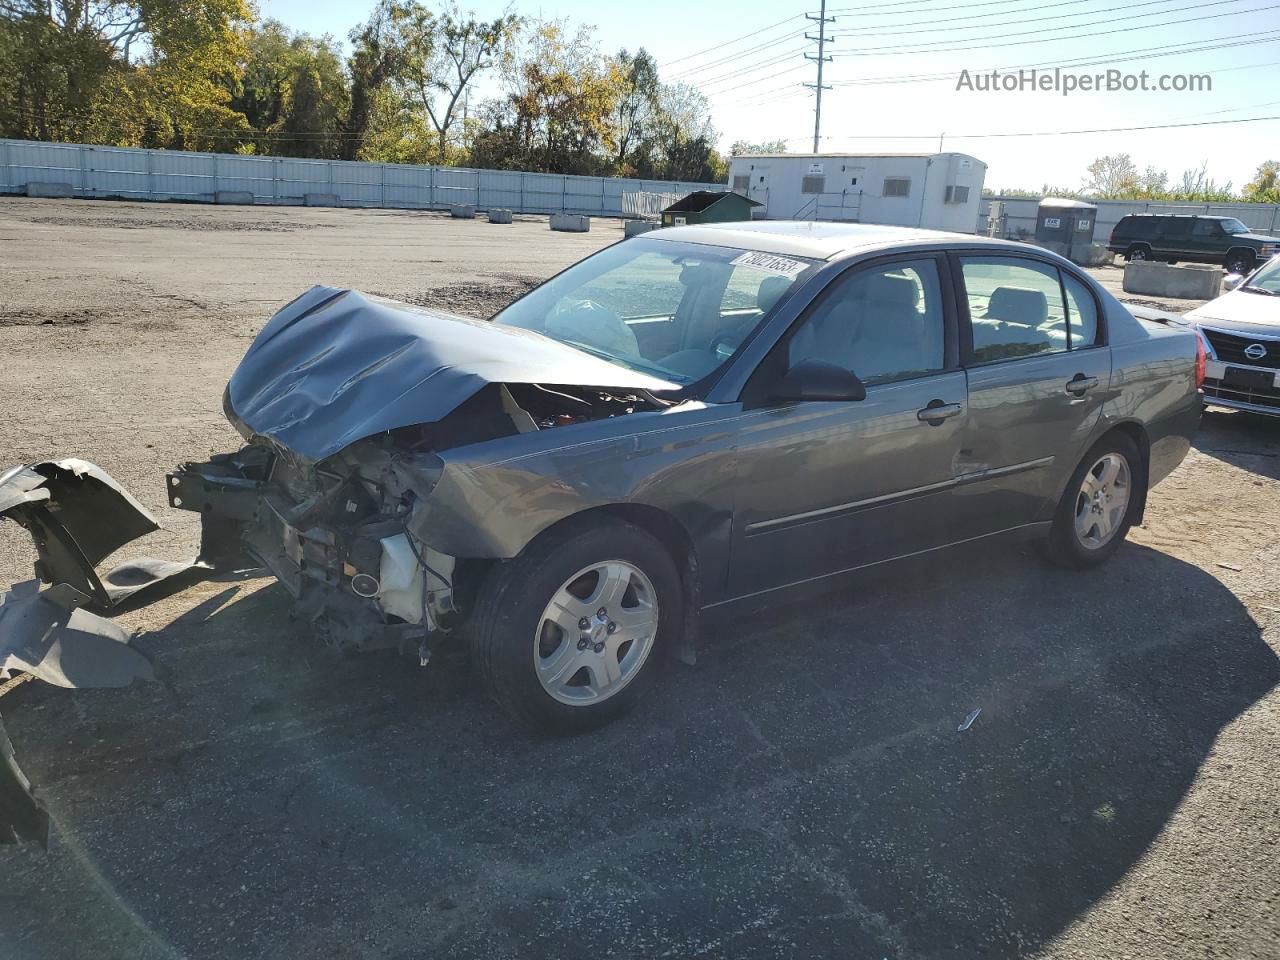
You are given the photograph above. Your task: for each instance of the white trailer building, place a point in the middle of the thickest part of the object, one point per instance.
(940, 191)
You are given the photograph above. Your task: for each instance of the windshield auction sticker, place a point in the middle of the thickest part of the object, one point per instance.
(770, 263)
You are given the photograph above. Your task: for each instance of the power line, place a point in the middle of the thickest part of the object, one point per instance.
(931, 47)
(1077, 62)
(1146, 53)
(862, 11)
(790, 55)
(728, 43)
(1048, 133)
(712, 64)
(951, 24)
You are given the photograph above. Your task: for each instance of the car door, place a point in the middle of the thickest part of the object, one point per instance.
(1038, 372)
(824, 486)
(1207, 242)
(1174, 239)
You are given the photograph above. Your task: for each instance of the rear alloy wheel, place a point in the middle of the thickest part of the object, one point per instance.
(566, 635)
(1102, 502)
(1138, 253)
(1097, 508)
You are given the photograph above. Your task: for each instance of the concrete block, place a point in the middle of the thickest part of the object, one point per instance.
(570, 222)
(233, 196)
(320, 200)
(633, 228)
(463, 211)
(1192, 282)
(499, 216)
(46, 190)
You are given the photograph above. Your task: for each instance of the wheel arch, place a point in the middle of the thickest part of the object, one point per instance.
(668, 531)
(1137, 433)
(1249, 252)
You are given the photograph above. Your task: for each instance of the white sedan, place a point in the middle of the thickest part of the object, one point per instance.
(1242, 329)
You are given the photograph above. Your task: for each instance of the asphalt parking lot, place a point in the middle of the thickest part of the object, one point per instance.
(802, 792)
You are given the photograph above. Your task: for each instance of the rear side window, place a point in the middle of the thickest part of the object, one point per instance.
(1015, 308)
(1176, 228)
(1137, 226)
(1082, 314)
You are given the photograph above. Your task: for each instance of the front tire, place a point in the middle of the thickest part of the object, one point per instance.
(567, 634)
(1239, 262)
(1099, 504)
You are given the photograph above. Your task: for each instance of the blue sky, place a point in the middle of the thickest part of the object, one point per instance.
(920, 47)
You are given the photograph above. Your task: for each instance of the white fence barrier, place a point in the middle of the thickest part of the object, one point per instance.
(1020, 214)
(179, 175)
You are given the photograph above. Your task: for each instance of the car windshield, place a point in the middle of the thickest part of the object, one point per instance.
(675, 310)
(1266, 280)
(1233, 226)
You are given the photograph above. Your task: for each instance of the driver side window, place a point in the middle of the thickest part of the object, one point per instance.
(883, 323)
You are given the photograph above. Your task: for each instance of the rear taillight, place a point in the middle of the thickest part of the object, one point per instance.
(1202, 356)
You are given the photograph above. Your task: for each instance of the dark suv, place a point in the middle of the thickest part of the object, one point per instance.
(1169, 237)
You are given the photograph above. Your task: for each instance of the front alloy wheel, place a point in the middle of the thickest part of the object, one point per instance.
(566, 635)
(596, 633)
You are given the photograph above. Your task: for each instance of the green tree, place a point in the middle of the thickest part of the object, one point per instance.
(635, 109)
(148, 72)
(293, 92)
(743, 147)
(374, 60)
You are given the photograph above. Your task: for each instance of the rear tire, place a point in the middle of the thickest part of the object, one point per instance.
(1099, 504)
(1139, 251)
(535, 657)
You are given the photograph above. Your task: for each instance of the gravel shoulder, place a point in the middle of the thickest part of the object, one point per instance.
(802, 792)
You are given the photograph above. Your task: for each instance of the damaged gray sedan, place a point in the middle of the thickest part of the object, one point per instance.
(688, 422)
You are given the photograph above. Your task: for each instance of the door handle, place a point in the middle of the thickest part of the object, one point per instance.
(937, 411)
(1080, 384)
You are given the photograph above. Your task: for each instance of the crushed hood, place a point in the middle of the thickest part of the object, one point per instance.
(336, 366)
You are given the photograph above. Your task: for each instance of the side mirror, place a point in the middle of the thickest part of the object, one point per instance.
(818, 380)
(1231, 281)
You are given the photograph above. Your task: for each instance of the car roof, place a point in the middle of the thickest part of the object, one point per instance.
(1197, 216)
(820, 240)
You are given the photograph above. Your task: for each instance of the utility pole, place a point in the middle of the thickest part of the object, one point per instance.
(821, 40)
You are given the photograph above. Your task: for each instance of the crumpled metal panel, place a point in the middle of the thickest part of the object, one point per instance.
(47, 634)
(335, 366)
(78, 516)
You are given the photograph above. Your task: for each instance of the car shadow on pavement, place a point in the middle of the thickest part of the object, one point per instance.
(1250, 441)
(803, 791)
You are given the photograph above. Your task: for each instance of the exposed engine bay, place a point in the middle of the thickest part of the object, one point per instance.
(340, 535)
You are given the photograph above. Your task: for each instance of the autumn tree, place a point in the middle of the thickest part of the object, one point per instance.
(1265, 185)
(1111, 177)
(561, 94)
